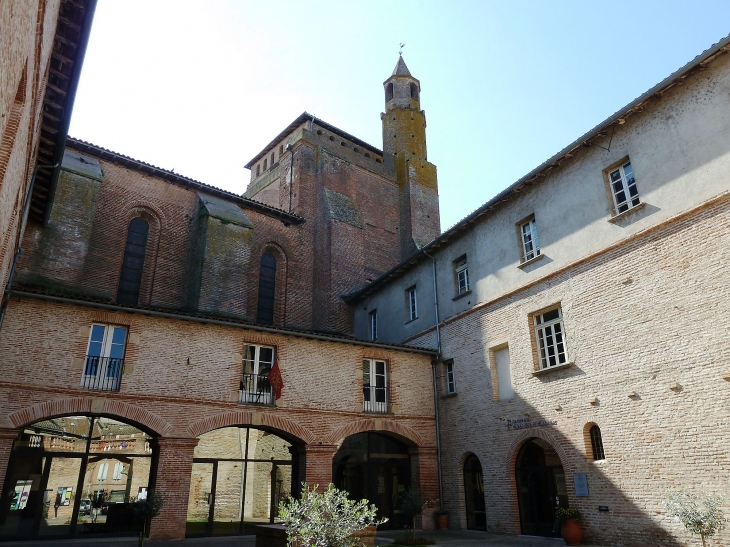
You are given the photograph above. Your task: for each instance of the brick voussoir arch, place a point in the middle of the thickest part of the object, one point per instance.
(375, 424)
(250, 418)
(539, 433)
(91, 405)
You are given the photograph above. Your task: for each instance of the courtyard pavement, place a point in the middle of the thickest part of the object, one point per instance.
(445, 538)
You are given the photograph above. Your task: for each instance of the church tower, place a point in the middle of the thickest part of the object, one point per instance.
(404, 150)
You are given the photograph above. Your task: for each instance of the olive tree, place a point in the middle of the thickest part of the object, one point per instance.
(700, 515)
(326, 519)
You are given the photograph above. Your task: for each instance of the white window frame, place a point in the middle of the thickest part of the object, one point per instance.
(373, 318)
(102, 472)
(376, 396)
(102, 371)
(550, 339)
(623, 183)
(450, 378)
(254, 391)
(412, 304)
(461, 270)
(529, 239)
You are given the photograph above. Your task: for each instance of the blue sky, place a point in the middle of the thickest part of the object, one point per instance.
(201, 87)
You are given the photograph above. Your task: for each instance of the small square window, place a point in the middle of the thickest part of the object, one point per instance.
(529, 242)
(550, 338)
(450, 380)
(412, 303)
(461, 274)
(622, 184)
(373, 324)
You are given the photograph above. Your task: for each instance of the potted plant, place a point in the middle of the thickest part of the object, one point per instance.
(442, 519)
(569, 528)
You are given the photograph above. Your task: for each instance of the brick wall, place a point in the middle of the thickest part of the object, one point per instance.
(646, 332)
(25, 47)
(181, 380)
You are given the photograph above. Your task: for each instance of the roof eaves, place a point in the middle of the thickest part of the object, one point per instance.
(634, 107)
(306, 117)
(175, 178)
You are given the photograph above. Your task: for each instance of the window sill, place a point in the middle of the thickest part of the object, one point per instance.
(448, 395)
(531, 261)
(462, 295)
(410, 320)
(551, 369)
(626, 213)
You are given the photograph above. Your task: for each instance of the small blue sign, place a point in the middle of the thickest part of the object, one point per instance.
(581, 484)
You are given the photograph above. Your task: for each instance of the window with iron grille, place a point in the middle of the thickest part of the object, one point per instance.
(623, 188)
(529, 240)
(257, 363)
(597, 443)
(375, 385)
(412, 304)
(550, 337)
(373, 315)
(450, 380)
(130, 278)
(104, 358)
(461, 272)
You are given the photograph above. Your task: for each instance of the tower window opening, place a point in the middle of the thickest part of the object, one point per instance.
(389, 92)
(377, 160)
(343, 143)
(258, 170)
(265, 164)
(332, 138)
(367, 155)
(272, 158)
(319, 131)
(414, 91)
(281, 149)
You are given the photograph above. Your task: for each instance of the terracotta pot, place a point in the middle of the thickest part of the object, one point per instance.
(442, 522)
(571, 532)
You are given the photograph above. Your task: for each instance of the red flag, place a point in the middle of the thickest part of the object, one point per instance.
(275, 380)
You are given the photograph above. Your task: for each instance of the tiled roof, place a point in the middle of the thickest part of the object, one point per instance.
(175, 178)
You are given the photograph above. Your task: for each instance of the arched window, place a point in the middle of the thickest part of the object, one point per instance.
(134, 251)
(597, 443)
(267, 286)
(414, 91)
(389, 92)
(265, 165)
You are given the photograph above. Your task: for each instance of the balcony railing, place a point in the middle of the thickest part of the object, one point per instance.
(255, 389)
(102, 373)
(375, 399)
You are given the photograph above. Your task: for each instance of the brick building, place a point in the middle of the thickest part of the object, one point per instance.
(581, 324)
(148, 311)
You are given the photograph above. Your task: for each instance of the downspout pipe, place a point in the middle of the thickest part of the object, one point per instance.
(433, 370)
(21, 232)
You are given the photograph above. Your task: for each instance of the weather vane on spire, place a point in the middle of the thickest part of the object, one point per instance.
(400, 51)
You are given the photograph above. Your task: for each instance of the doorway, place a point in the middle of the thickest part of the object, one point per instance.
(376, 467)
(239, 477)
(476, 511)
(541, 488)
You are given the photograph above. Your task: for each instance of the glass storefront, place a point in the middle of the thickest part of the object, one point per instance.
(378, 468)
(239, 476)
(76, 476)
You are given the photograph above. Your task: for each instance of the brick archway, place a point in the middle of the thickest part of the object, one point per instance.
(538, 433)
(410, 436)
(254, 419)
(91, 405)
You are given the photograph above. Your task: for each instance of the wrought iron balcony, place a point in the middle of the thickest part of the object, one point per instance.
(256, 390)
(375, 399)
(102, 373)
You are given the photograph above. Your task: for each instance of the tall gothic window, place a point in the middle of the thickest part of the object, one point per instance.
(597, 443)
(131, 277)
(267, 285)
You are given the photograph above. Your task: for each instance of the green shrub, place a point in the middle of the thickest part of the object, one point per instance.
(326, 519)
(700, 515)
